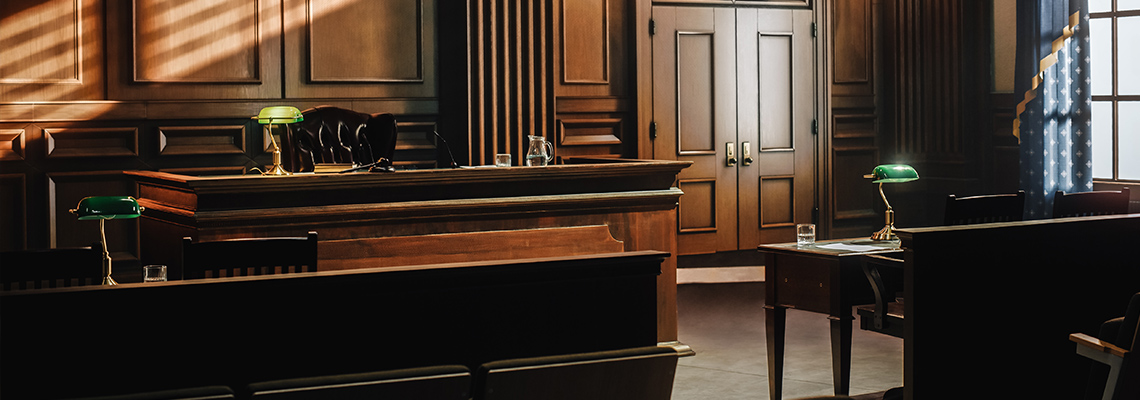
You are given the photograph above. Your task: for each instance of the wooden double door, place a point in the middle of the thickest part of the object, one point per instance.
(733, 93)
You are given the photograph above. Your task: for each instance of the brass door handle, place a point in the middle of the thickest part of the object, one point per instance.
(730, 154)
(746, 153)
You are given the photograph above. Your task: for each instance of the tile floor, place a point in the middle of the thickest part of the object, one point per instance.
(724, 324)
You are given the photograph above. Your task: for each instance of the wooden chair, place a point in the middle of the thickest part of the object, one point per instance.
(253, 256)
(35, 269)
(1115, 346)
(886, 315)
(1106, 202)
(448, 382)
(637, 373)
(984, 209)
(198, 393)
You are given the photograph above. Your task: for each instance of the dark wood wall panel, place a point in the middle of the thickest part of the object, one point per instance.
(585, 42)
(66, 142)
(12, 144)
(201, 140)
(56, 51)
(347, 44)
(66, 189)
(216, 49)
(697, 210)
(926, 68)
(777, 207)
(361, 49)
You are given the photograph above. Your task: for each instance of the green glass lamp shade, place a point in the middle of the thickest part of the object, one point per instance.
(107, 207)
(279, 115)
(893, 173)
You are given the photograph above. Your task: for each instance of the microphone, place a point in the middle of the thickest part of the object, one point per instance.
(381, 165)
(446, 147)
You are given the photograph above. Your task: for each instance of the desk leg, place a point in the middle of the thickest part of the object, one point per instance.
(841, 353)
(775, 319)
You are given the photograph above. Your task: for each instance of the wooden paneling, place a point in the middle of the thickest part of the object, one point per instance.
(205, 49)
(201, 140)
(775, 56)
(51, 50)
(853, 46)
(361, 49)
(347, 43)
(65, 189)
(12, 144)
(209, 41)
(512, 85)
(777, 209)
(65, 142)
(585, 42)
(694, 69)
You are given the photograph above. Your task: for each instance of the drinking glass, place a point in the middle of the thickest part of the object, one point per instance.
(502, 160)
(154, 273)
(805, 234)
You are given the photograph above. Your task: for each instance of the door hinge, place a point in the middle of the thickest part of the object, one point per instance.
(814, 126)
(814, 29)
(652, 27)
(652, 130)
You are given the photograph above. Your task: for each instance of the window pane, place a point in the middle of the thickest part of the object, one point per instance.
(1129, 140)
(1129, 59)
(1100, 34)
(1100, 5)
(1122, 5)
(1102, 139)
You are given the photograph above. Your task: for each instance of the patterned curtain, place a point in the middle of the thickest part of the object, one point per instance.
(1054, 121)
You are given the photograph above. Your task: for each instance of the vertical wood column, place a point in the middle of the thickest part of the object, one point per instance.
(511, 90)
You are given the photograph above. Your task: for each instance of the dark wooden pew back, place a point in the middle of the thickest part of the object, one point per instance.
(232, 331)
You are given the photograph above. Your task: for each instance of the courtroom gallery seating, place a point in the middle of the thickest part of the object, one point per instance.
(339, 136)
(1116, 343)
(1105, 202)
(984, 209)
(643, 373)
(248, 256)
(446, 382)
(34, 269)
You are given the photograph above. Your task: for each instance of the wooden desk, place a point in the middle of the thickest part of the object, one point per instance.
(634, 201)
(818, 279)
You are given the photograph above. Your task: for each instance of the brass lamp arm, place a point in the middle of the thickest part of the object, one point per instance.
(884, 195)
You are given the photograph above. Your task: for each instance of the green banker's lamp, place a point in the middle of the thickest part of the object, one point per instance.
(103, 208)
(890, 173)
(277, 115)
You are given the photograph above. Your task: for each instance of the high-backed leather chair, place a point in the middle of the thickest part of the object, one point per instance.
(337, 135)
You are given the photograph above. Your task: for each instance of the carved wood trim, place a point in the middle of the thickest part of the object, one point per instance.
(678, 95)
(603, 47)
(12, 144)
(687, 204)
(201, 140)
(590, 132)
(91, 142)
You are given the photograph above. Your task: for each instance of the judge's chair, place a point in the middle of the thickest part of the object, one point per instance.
(245, 257)
(1106, 202)
(61, 267)
(1117, 376)
(333, 135)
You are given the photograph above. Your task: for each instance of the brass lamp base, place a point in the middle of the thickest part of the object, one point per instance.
(276, 169)
(887, 233)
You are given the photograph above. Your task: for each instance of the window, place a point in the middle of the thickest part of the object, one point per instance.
(1114, 32)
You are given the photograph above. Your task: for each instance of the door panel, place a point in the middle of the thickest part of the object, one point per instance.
(775, 108)
(741, 78)
(694, 108)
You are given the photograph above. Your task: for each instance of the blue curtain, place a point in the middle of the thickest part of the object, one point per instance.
(1054, 120)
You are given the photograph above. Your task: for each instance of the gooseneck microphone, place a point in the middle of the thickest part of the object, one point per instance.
(446, 147)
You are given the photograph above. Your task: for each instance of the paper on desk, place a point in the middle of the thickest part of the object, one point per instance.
(849, 247)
